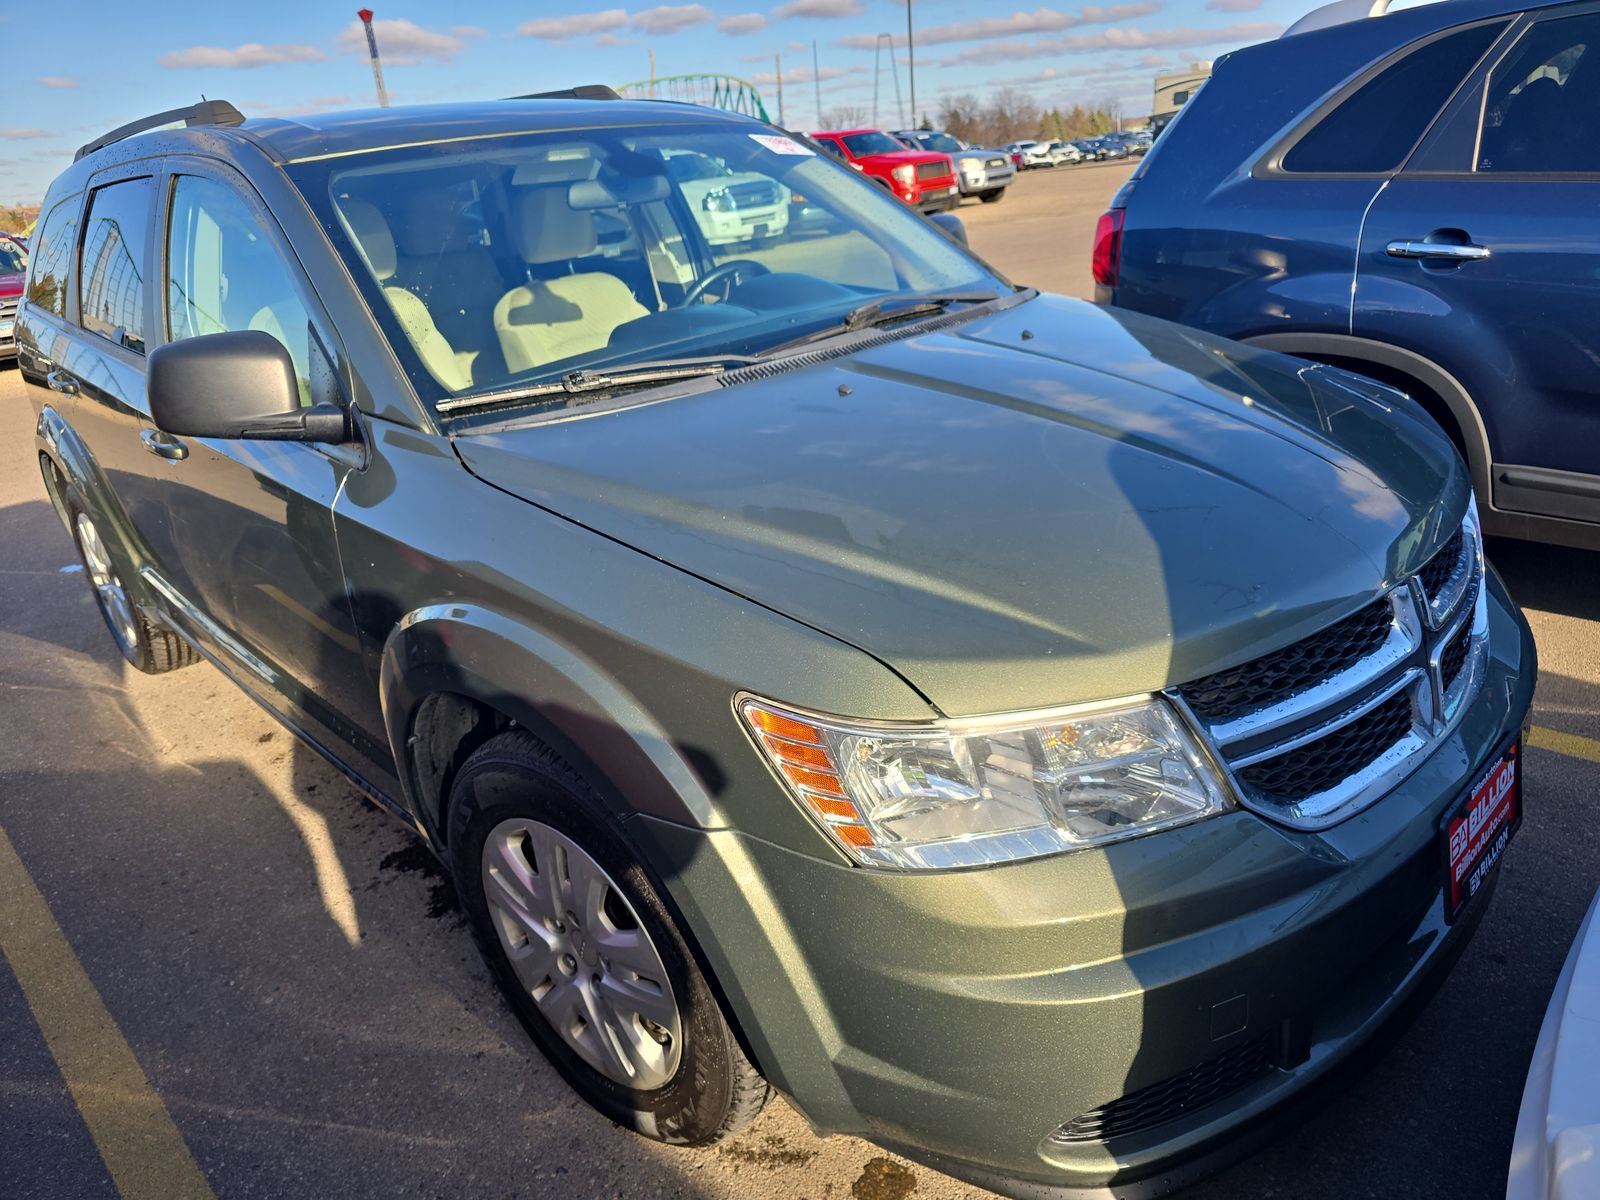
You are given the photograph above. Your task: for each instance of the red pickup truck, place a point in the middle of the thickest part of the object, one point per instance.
(922, 178)
(13, 262)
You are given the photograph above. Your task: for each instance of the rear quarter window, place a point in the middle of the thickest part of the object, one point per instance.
(50, 269)
(1374, 129)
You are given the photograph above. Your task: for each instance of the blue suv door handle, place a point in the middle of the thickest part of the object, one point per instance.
(1451, 251)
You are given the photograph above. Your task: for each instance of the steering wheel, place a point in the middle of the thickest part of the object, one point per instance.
(727, 274)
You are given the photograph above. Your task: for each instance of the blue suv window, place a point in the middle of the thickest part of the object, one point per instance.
(1376, 128)
(1544, 99)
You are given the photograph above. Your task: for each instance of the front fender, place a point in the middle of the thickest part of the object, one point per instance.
(566, 699)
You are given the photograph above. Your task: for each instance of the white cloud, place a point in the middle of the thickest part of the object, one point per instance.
(469, 31)
(242, 58)
(401, 43)
(739, 24)
(56, 81)
(17, 132)
(826, 9)
(611, 39)
(804, 75)
(1115, 39)
(1233, 5)
(559, 29)
(1020, 24)
(670, 18)
(314, 105)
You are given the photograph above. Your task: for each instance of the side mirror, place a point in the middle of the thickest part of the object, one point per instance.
(235, 385)
(950, 225)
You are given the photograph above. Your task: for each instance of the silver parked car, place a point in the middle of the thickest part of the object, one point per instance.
(982, 173)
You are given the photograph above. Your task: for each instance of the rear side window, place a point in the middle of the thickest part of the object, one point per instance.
(1376, 128)
(1544, 101)
(51, 266)
(113, 262)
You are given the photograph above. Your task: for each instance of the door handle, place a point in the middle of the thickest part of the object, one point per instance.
(60, 381)
(1444, 251)
(163, 445)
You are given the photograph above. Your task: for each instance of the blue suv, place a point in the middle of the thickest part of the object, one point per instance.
(1415, 196)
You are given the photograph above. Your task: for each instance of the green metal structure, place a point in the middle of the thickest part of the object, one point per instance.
(727, 92)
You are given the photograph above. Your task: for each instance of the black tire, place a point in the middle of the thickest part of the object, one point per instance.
(148, 645)
(992, 195)
(715, 1091)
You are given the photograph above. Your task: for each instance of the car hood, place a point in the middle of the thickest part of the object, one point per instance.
(1047, 504)
(11, 283)
(895, 158)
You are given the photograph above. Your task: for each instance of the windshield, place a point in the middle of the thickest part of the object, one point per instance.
(941, 142)
(872, 143)
(512, 262)
(13, 258)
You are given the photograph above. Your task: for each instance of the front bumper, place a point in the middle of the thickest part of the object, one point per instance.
(963, 1017)
(986, 179)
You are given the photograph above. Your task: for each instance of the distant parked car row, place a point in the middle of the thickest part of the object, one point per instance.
(13, 262)
(1031, 153)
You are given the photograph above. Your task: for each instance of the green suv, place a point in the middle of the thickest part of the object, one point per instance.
(1041, 739)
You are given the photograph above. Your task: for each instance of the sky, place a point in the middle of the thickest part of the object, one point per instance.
(77, 68)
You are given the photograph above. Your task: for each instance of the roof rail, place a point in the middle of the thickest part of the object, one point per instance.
(1340, 12)
(207, 112)
(584, 91)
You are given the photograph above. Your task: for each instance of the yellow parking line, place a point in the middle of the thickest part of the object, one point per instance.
(130, 1126)
(1571, 744)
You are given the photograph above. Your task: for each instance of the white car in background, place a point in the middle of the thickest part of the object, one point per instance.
(1064, 152)
(729, 206)
(1556, 1152)
(1034, 154)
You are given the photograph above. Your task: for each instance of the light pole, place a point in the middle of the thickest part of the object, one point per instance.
(372, 52)
(911, 64)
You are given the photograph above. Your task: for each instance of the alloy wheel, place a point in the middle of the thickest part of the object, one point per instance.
(579, 948)
(108, 589)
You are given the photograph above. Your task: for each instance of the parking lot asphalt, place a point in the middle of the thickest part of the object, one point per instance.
(225, 974)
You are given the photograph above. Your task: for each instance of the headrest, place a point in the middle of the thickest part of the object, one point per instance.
(372, 236)
(547, 229)
(612, 190)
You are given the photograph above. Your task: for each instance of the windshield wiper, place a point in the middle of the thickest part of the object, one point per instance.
(886, 309)
(578, 383)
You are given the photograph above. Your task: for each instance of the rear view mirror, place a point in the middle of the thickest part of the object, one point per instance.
(235, 385)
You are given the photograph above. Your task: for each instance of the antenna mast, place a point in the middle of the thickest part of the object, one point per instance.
(372, 52)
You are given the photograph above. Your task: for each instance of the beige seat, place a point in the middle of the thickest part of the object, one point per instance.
(451, 368)
(548, 320)
(442, 261)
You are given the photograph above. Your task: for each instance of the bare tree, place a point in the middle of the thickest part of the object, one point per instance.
(846, 116)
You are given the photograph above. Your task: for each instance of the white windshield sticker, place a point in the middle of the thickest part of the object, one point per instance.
(781, 145)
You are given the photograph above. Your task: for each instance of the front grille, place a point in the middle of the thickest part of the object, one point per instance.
(754, 195)
(1284, 673)
(1313, 768)
(933, 170)
(997, 162)
(1324, 726)
(1173, 1097)
(1454, 657)
(8, 308)
(1436, 573)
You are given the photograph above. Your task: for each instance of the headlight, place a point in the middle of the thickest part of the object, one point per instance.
(718, 201)
(969, 793)
(904, 175)
(971, 164)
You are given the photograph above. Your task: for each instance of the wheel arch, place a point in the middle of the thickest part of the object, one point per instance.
(453, 675)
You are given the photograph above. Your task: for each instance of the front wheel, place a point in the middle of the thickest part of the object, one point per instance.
(588, 954)
(992, 195)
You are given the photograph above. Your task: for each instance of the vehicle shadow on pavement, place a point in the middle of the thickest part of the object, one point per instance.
(287, 966)
(1557, 579)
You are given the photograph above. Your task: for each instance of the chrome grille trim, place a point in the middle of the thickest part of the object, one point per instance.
(1411, 661)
